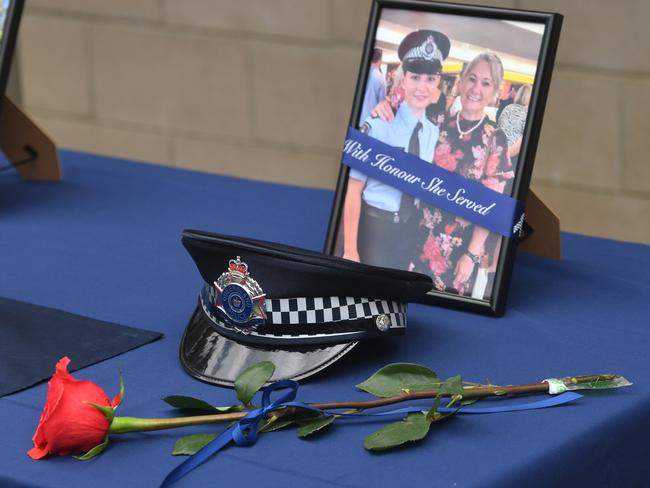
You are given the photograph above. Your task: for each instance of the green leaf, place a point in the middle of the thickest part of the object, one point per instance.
(121, 390)
(469, 401)
(298, 416)
(191, 444)
(252, 379)
(425, 386)
(393, 379)
(452, 386)
(433, 414)
(438, 417)
(414, 428)
(98, 449)
(271, 425)
(108, 412)
(309, 427)
(606, 382)
(191, 403)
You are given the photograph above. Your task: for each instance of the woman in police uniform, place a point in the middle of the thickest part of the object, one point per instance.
(377, 218)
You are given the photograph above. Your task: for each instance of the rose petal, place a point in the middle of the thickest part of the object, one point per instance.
(37, 453)
(54, 393)
(68, 424)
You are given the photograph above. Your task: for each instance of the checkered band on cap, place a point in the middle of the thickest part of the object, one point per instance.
(312, 311)
(316, 310)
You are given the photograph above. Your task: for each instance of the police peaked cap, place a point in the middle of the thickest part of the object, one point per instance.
(423, 51)
(300, 309)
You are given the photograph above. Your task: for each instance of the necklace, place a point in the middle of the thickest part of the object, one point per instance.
(461, 133)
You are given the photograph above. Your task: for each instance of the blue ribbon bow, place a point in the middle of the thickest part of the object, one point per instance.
(245, 432)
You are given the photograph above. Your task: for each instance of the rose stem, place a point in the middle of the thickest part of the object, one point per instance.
(122, 425)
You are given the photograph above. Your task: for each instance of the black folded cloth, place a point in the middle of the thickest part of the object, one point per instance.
(34, 338)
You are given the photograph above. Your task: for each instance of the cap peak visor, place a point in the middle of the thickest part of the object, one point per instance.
(213, 358)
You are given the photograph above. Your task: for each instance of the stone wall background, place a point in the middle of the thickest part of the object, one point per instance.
(228, 87)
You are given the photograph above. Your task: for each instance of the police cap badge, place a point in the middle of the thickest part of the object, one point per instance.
(423, 51)
(300, 309)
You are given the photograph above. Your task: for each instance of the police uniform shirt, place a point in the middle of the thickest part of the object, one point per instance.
(375, 92)
(397, 134)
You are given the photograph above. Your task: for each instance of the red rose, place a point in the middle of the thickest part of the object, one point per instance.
(69, 425)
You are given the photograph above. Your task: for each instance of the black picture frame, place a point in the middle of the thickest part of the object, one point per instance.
(8, 34)
(496, 303)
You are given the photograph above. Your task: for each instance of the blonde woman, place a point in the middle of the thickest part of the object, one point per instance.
(451, 249)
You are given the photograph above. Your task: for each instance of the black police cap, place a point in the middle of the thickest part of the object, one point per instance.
(300, 309)
(423, 51)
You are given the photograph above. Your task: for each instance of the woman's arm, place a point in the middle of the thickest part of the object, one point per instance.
(384, 111)
(515, 148)
(465, 264)
(351, 215)
(497, 161)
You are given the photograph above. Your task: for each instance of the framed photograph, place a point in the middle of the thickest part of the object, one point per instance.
(10, 12)
(441, 142)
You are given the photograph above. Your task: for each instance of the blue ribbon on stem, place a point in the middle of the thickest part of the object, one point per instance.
(245, 432)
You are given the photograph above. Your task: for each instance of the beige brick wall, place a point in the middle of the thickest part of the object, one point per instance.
(263, 89)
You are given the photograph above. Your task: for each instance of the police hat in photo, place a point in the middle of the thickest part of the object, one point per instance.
(300, 309)
(423, 51)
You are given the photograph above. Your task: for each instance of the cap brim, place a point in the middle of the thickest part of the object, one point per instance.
(423, 67)
(208, 356)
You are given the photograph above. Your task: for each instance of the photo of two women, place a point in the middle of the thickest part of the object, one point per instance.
(454, 91)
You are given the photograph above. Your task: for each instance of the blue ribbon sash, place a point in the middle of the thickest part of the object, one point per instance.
(245, 432)
(433, 184)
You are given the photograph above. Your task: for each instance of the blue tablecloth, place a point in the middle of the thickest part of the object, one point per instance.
(105, 243)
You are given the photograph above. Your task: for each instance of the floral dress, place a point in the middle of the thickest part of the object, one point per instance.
(436, 112)
(482, 156)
